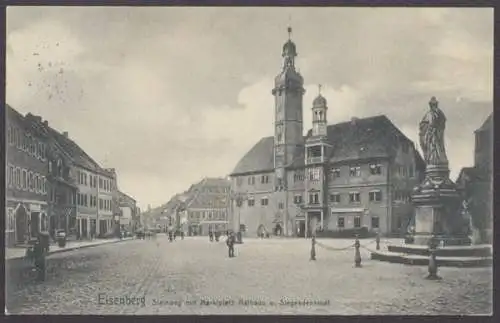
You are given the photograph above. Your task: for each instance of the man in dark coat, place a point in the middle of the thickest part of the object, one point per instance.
(211, 235)
(230, 244)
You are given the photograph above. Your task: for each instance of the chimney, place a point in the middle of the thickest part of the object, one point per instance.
(65, 134)
(39, 119)
(46, 123)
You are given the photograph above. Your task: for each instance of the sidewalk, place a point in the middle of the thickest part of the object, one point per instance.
(17, 253)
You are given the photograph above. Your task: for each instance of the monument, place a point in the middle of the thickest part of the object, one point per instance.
(441, 230)
(436, 200)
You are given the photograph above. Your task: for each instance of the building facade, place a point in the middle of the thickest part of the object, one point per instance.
(476, 183)
(62, 189)
(107, 192)
(343, 176)
(207, 208)
(26, 180)
(129, 212)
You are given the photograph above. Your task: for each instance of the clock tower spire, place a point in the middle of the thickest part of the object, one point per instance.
(288, 95)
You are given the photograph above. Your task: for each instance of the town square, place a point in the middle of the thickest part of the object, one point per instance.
(195, 163)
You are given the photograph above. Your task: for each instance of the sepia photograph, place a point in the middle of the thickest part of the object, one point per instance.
(249, 160)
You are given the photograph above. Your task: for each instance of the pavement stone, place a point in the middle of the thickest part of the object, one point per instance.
(171, 274)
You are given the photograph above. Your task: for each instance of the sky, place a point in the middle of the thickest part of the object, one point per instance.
(168, 96)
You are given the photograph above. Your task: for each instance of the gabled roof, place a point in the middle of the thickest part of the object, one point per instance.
(372, 137)
(205, 199)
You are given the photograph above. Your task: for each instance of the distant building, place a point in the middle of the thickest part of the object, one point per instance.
(26, 180)
(348, 175)
(476, 183)
(208, 208)
(129, 212)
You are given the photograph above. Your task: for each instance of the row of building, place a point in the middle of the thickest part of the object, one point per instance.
(53, 184)
(204, 207)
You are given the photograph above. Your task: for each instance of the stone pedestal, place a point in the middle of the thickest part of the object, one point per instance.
(437, 202)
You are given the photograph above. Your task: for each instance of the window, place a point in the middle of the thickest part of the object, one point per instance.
(31, 182)
(19, 141)
(239, 181)
(281, 205)
(264, 201)
(340, 222)
(44, 154)
(375, 196)
(100, 204)
(11, 221)
(334, 173)
(24, 180)
(251, 180)
(78, 198)
(335, 198)
(9, 135)
(251, 202)
(18, 178)
(264, 179)
(36, 184)
(411, 171)
(357, 222)
(354, 171)
(313, 198)
(25, 144)
(375, 222)
(375, 169)
(298, 177)
(314, 174)
(85, 179)
(91, 179)
(401, 196)
(11, 180)
(100, 182)
(297, 199)
(354, 197)
(44, 186)
(32, 146)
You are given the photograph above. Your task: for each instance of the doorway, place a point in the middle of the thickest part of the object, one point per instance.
(301, 228)
(35, 224)
(21, 221)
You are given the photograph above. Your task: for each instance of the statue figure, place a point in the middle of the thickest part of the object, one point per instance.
(432, 135)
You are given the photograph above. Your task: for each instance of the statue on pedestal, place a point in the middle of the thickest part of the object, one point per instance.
(431, 135)
(436, 199)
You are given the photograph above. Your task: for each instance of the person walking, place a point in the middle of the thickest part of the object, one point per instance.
(211, 235)
(230, 244)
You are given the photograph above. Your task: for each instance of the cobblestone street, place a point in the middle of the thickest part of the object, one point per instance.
(264, 272)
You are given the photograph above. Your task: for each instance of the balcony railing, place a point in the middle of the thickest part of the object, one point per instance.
(314, 160)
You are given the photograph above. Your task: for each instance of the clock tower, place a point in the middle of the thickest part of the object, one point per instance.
(288, 129)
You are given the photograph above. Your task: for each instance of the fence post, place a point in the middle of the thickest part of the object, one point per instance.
(313, 248)
(433, 268)
(377, 240)
(357, 255)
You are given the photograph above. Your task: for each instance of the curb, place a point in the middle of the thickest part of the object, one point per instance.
(75, 248)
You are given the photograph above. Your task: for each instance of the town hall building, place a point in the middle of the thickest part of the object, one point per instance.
(340, 176)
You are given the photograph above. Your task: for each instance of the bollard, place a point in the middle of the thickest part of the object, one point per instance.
(433, 268)
(357, 255)
(313, 249)
(377, 240)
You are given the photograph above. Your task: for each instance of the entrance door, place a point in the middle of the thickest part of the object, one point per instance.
(35, 224)
(301, 228)
(21, 224)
